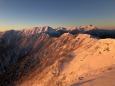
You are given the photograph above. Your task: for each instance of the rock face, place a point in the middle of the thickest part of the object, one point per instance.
(53, 57)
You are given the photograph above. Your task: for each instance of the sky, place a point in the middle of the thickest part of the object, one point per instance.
(20, 14)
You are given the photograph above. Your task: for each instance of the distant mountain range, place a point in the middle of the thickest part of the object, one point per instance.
(50, 31)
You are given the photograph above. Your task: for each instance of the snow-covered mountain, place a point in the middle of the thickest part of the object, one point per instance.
(76, 30)
(61, 30)
(87, 28)
(46, 30)
(36, 30)
(50, 55)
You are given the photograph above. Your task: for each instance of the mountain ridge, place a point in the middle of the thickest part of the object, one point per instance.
(53, 56)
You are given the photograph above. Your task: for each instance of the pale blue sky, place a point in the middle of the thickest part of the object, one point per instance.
(19, 14)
